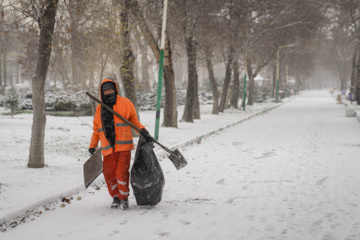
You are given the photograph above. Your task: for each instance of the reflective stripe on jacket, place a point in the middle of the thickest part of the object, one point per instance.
(123, 136)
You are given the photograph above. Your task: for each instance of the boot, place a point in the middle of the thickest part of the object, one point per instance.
(124, 204)
(115, 203)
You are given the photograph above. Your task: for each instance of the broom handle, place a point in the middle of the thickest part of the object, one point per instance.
(125, 120)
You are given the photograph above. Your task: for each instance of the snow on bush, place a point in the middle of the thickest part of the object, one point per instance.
(12, 101)
(77, 101)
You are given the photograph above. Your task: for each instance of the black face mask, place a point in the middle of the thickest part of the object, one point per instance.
(110, 98)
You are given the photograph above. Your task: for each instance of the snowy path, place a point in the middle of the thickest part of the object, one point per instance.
(290, 174)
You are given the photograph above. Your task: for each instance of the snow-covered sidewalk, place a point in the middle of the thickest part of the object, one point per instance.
(23, 190)
(290, 174)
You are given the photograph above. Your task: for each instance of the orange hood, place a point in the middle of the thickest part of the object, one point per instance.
(104, 81)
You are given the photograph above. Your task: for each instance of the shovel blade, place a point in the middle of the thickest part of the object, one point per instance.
(92, 168)
(178, 159)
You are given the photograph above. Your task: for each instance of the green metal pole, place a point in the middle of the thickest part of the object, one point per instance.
(287, 81)
(245, 72)
(244, 95)
(161, 69)
(277, 90)
(158, 101)
(288, 93)
(277, 74)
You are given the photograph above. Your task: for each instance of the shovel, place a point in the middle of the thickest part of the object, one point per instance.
(175, 156)
(93, 167)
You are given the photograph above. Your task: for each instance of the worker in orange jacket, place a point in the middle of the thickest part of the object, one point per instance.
(116, 141)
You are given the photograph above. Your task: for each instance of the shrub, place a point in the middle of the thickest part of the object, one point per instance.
(12, 101)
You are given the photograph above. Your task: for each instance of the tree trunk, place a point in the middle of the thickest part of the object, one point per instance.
(227, 79)
(1, 81)
(74, 62)
(4, 50)
(170, 109)
(273, 83)
(236, 86)
(63, 72)
(46, 26)
(18, 74)
(127, 58)
(55, 79)
(145, 81)
(296, 90)
(188, 115)
(357, 91)
(353, 73)
(65, 77)
(250, 87)
(342, 83)
(4, 64)
(11, 79)
(196, 97)
(214, 88)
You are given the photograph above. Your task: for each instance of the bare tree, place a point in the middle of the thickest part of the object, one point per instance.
(45, 11)
(195, 19)
(184, 11)
(253, 73)
(232, 19)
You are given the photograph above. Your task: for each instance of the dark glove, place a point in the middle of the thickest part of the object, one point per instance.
(92, 151)
(146, 134)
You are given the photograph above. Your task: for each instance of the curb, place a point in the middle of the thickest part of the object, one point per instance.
(16, 217)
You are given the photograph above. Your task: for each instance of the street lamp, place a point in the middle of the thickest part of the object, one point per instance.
(277, 68)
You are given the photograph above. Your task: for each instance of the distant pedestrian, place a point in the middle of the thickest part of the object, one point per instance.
(116, 141)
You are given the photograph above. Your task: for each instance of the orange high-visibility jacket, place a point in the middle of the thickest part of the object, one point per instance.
(123, 136)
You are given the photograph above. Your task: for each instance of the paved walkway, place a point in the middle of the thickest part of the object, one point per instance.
(290, 174)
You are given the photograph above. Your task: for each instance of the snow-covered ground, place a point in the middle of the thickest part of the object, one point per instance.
(66, 143)
(292, 173)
